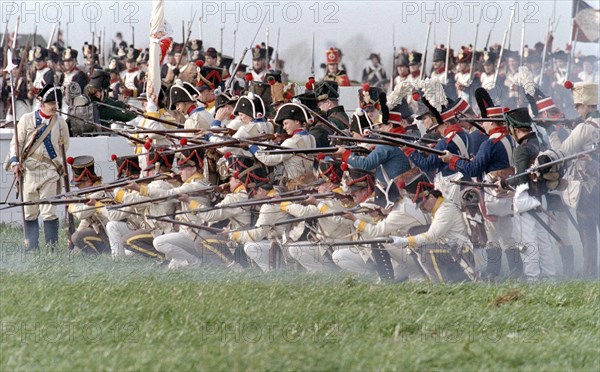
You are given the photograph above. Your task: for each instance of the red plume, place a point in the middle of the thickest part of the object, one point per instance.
(113, 157)
(366, 87)
(401, 184)
(308, 85)
(70, 160)
(271, 80)
(248, 77)
(320, 156)
(416, 96)
(183, 141)
(569, 84)
(199, 63)
(227, 155)
(148, 145)
(344, 166)
(311, 79)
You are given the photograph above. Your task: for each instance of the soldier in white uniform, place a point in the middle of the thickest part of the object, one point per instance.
(133, 76)
(43, 137)
(297, 170)
(43, 74)
(71, 75)
(184, 99)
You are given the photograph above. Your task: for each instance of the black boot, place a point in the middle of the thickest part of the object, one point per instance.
(568, 260)
(51, 233)
(515, 264)
(32, 236)
(494, 262)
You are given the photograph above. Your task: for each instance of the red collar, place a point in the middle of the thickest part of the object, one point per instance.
(73, 69)
(192, 108)
(404, 75)
(441, 70)
(453, 128)
(114, 80)
(503, 130)
(399, 129)
(44, 116)
(416, 73)
(133, 69)
(43, 67)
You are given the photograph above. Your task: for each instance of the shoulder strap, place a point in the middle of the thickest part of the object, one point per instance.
(35, 144)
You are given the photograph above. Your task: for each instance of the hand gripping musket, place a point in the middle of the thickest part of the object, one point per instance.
(552, 163)
(162, 198)
(425, 52)
(389, 141)
(237, 66)
(135, 110)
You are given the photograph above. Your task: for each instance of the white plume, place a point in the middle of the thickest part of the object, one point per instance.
(400, 92)
(433, 90)
(526, 80)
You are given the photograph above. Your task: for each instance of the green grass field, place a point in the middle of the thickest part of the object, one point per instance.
(90, 313)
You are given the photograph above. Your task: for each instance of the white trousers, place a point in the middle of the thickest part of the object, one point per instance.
(309, 257)
(537, 253)
(348, 259)
(177, 247)
(116, 231)
(500, 232)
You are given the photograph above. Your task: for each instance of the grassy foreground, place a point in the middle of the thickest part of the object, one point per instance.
(81, 313)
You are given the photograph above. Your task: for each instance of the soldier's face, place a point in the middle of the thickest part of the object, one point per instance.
(290, 126)
(69, 65)
(210, 61)
(488, 68)
(130, 65)
(438, 64)
(513, 63)
(462, 66)
(402, 70)
(258, 64)
(332, 68)
(40, 65)
(49, 108)
(245, 118)
(413, 68)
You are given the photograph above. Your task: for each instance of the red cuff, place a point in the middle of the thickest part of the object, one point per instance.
(408, 151)
(453, 162)
(346, 155)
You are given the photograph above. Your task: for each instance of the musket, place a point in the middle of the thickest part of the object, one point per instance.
(221, 44)
(487, 41)
(51, 36)
(448, 52)
(475, 184)
(425, 52)
(393, 55)
(510, 22)
(267, 59)
(251, 203)
(329, 124)
(475, 121)
(522, 49)
(298, 219)
(277, 49)
(237, 66)
(405, 137)
(186, 39)
(348, 242)
(103, 128)
(389, 141)
(212, 230)
(237, 27)
(316, 150)
(472, 67)
(132, 35)
(544, 52)
(552, 163)
(168, 131)
(52, 202)
(5, 32)
(312, 63)
(108, 186)
(510, 25)
(136, 111)
(231, 142)
(162, 198)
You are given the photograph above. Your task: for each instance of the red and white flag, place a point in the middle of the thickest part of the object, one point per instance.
(586, 23)
(160, 44)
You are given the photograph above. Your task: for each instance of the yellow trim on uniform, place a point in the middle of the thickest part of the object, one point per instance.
(272, 193)
(437, 204)
(215, 250)
(361, 226)
(283, 206)
(236, 236)
(88, 241)
(153, 114)
(99, 205)
(239, 189)
(436, 267)
(194, 177)
(144, 190)
(71, 208)
(119, 195)
(137, 248)
(412, 241)
(324, 208)
(194, 204)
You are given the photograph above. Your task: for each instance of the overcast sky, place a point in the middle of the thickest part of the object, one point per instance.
(358, 27)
